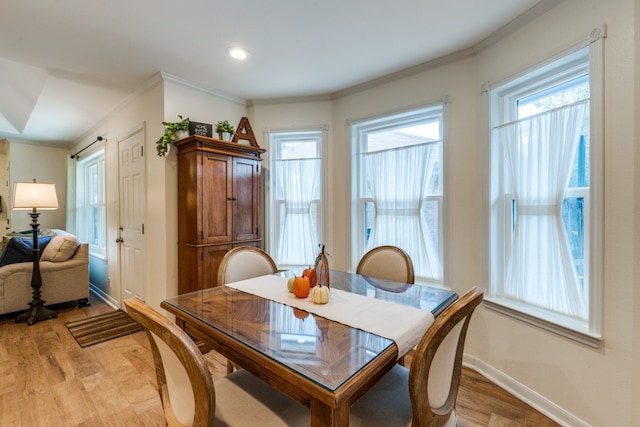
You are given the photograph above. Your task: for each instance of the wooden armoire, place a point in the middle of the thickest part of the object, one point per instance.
(219, 197)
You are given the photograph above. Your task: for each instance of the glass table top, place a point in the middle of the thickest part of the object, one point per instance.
(326, 352)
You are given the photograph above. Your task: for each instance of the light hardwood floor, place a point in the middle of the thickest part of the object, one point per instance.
(46, 379)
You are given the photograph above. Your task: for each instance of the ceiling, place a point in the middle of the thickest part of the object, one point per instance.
(67, 64)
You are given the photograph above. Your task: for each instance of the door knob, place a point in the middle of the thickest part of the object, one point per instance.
(119, 240)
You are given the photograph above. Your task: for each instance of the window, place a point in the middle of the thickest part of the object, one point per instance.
(295, 196)
(544, 197)
(90, 202)
(397, 176)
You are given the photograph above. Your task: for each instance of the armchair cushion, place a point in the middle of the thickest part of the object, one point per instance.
(61, 248)
(20, 249)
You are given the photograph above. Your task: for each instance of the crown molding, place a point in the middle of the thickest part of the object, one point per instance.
(187, 83)
(288, 100)
(60, 145)
(407, 72)
(535, 12)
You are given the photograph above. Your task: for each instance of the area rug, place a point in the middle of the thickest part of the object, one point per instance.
(103, 327)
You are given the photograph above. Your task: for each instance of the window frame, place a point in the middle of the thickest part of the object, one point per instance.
(395, 120)
(275, 137)
(96, 159)
(501, 97)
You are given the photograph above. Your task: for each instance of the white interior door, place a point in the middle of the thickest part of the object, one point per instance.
(132, 213)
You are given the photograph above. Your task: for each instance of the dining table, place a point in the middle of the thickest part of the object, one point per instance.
(324, 356)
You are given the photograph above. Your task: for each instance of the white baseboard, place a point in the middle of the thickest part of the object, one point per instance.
(104, 297)
(524, 393)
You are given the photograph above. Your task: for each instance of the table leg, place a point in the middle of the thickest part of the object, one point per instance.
(325, 416)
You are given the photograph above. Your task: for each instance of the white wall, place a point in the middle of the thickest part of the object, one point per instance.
(45, 164)
(570, 380)
(200, 106)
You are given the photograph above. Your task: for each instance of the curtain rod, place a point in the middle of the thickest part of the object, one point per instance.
(73, 156)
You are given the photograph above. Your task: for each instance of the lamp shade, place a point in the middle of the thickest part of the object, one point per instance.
(34, 195)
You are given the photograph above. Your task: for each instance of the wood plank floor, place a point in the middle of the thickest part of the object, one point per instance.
(46, 379)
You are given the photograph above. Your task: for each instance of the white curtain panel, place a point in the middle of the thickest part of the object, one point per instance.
(297, 186)
(397, 181)
(540, 151)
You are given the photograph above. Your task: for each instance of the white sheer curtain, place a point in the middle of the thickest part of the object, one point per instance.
(297, 186)
(397, 181)
(540, 152)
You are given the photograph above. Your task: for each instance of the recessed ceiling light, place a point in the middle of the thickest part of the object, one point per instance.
(237, 53)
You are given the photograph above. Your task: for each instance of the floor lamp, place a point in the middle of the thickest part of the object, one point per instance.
(35, 195)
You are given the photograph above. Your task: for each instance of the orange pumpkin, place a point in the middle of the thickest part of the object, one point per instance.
(311, 274)
(301, 287)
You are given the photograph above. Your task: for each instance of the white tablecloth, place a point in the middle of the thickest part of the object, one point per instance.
(403, 324)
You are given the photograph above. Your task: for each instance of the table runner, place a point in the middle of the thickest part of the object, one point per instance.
(403, 324)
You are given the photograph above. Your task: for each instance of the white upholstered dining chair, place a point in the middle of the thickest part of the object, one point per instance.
(424, 395)
(388, 263)
(188, 393)
(245, 262)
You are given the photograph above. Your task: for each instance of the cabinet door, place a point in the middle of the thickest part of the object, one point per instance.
(246, 195)
(217, 198)
(190, 268)
(212, 257)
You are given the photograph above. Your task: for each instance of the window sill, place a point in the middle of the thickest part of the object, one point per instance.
(521, 312)
(98, 255)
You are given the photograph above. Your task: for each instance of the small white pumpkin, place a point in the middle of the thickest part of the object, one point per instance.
(320, 294)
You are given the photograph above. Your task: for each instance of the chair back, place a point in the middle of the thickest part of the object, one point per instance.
(436, 368)
(245, 262)
(388, 263)
(184, 381)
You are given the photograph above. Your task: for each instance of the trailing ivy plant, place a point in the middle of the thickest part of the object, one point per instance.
(169, 136)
